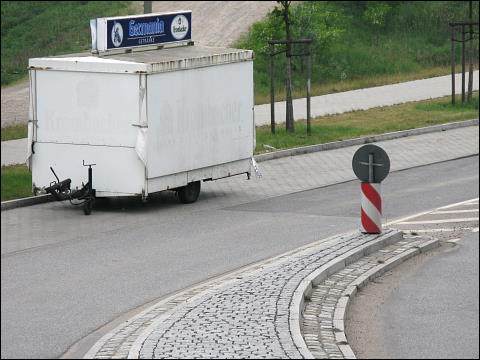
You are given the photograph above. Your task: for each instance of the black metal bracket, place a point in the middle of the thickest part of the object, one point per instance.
(61, 191)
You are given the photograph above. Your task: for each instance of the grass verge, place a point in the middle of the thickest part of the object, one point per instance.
(14, 132)
(368, 122)
(16, 182)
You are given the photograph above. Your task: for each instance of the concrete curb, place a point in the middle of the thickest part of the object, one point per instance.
(363, 140)
(33, 200)
(304, 290)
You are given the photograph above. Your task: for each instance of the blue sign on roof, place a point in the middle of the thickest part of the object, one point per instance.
(151, 29)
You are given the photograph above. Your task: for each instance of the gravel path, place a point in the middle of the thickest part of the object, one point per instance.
(14, 109)
(218, 23)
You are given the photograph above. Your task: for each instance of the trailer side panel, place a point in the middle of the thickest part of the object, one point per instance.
(199, 118)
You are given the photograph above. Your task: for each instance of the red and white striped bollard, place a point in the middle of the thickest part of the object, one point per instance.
(371, 164)
(371, 213)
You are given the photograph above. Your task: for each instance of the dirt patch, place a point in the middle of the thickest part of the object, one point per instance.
(15, 104)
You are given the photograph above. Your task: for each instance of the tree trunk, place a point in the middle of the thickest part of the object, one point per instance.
(452, 52)
(309, 76)
(470, 70)
(289, 121)
(272, 90)
(289, 103)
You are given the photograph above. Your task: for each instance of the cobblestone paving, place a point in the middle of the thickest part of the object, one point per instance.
(247, 319)
(320, 330)
(244, 316)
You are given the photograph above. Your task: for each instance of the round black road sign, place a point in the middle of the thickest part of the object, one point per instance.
(371, 163)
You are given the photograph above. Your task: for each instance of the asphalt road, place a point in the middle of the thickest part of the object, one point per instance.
(433, 312)
(60, 290)
(428, 306)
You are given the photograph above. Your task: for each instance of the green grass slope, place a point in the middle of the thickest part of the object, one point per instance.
(354, 40)
(46, 28)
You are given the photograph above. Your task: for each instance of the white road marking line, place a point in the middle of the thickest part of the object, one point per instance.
(429, 211)
(454, 211)
(437, 221)
(475, 229)
(407, 217)
(436, 230)
(453, 240)
(431, 230)
(460, 203)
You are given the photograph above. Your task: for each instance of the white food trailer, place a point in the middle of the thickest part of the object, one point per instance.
(150, 121)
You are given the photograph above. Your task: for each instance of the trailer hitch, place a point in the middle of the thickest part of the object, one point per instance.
(60, 190)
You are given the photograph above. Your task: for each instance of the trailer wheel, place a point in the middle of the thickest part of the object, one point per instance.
(189, 194)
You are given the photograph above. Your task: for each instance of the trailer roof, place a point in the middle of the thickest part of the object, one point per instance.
(148, 61)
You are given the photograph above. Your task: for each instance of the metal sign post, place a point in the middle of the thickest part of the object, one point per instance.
(453, 26)
(308, 54)
(371, 165)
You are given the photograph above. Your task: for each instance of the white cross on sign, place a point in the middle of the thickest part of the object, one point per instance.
(370, 165)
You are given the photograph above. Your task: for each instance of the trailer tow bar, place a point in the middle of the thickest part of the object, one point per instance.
(60, 190)
(90, 192)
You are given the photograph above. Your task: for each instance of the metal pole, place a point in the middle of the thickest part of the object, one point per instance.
(290, 123)
(453, 64)
(370, 168)
(309, 76)
(463, 63)
(470, 72)
(289, 104)
(90, 179)
(147, 7)
(272, 90)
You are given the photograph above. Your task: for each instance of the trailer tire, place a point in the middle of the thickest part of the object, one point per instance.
(189, 194)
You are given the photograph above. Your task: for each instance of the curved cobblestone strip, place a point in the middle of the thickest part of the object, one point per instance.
(323, 318)
(247, 318)
(119, 342)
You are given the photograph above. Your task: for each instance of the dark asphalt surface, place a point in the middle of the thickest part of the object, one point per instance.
(54, 295)
(433, 313)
